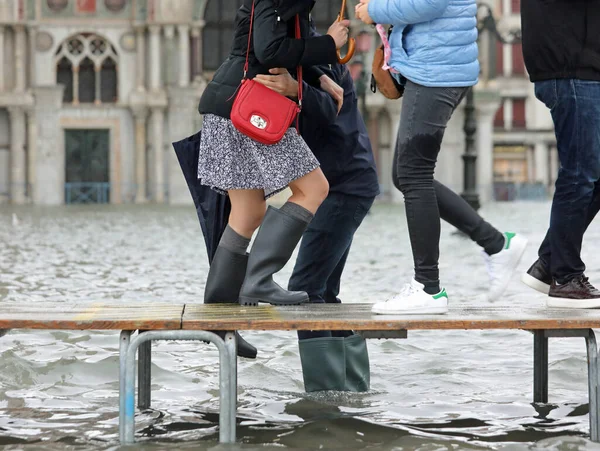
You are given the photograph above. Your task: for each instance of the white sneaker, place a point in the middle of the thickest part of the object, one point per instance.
(500, 266)
(412, 300)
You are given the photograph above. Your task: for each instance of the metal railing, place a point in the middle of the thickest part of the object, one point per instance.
(87, 193)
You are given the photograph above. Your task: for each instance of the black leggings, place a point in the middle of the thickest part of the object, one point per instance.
(425, 114)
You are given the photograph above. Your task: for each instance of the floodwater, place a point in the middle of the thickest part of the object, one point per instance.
(434, 391)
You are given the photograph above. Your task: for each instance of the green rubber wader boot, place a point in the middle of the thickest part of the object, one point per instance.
(225, 278)
(358, 374)
(273, 246)
(323, 363)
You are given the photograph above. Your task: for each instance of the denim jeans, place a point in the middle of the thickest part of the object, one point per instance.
(575, 109)
(325, 247)
(425, 114)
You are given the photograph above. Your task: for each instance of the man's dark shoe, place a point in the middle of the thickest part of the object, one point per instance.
(576, 293)
(538, 277)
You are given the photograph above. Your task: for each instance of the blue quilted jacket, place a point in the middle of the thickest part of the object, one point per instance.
(434, 42)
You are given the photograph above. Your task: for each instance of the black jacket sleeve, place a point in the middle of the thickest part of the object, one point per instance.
(274, 48)
(319, 105)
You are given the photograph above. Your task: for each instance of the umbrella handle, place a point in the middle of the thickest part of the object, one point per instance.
(351, 41)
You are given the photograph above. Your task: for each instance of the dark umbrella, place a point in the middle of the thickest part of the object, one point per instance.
(212, 208)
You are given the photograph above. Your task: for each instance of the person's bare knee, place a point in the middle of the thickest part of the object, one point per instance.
(310, 191)
(247, 211)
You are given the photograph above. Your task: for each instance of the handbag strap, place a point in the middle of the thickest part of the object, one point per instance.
(298, 69)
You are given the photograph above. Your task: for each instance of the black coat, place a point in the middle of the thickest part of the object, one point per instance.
(273, 45)
(561, 39)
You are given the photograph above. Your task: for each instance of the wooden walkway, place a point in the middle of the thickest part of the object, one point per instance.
(156, 321)
(156, 316)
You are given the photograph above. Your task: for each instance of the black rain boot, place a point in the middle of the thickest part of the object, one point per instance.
(225, 278)
(275, 242)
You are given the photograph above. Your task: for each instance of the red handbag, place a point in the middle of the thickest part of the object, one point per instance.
(261, 113)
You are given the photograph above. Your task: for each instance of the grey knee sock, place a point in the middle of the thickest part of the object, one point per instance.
(234, 242)
(296, 211)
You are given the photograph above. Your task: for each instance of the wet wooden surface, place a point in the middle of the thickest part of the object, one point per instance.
(154, 316)
(39, 315)
(359, 317)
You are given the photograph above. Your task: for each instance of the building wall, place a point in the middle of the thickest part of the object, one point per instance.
(161, 75)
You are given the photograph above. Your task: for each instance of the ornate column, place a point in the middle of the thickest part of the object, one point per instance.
(140, 154)
(158, 181)
(541, 153)
(197, 51)
(20, 45)
(140, 42)
(1, 58)
(50, 147)
(184, 55)
(32, 65)
(155, 58)
(18, 177)
(31, 154)
(169, 57)
(487, 102)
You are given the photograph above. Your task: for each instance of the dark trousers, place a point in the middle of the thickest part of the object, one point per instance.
(575, 109)
(425, 114)
(324, 249)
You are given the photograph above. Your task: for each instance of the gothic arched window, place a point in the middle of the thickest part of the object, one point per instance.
(86, 64)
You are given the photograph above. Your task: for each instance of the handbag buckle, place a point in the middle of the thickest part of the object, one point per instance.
(258, 122)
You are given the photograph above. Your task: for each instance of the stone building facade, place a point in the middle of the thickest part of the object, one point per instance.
(93, 93)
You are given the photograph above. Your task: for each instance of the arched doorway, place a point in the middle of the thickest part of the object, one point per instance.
(87, 67)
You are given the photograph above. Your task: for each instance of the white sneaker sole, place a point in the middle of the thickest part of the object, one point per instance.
(520, 246)
(536, 284)
(415, 311)
(573, 303)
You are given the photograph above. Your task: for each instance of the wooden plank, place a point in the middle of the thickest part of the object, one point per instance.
(80, 316)
(359, 317)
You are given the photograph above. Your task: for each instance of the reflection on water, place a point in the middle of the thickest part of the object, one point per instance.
(438, 390)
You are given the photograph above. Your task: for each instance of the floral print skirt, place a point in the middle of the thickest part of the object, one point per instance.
(231, 160)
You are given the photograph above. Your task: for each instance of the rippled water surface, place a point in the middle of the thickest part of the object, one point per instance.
(435, 391)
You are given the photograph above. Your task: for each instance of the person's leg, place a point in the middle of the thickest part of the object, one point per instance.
(425, 115)
(575, 109)
(279, 233)
(576, 116)
(361, 208)
(457, 212)
(545, 252)
(324, 244)
(228, 266)
(538, 275)
(501, 251)
(332, 289)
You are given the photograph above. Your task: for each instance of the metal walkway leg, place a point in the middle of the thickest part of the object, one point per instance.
(144, 374)
(124, 340)
(540, 366)
(231, 346)
(593, 373)
(227, 372)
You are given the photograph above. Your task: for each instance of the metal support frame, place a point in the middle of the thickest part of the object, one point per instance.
(383, 334)
(124, 341)
(228, 373)
(144, 375)
(540, 370)
(3, 332)
(227, 377)
(540, 366)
